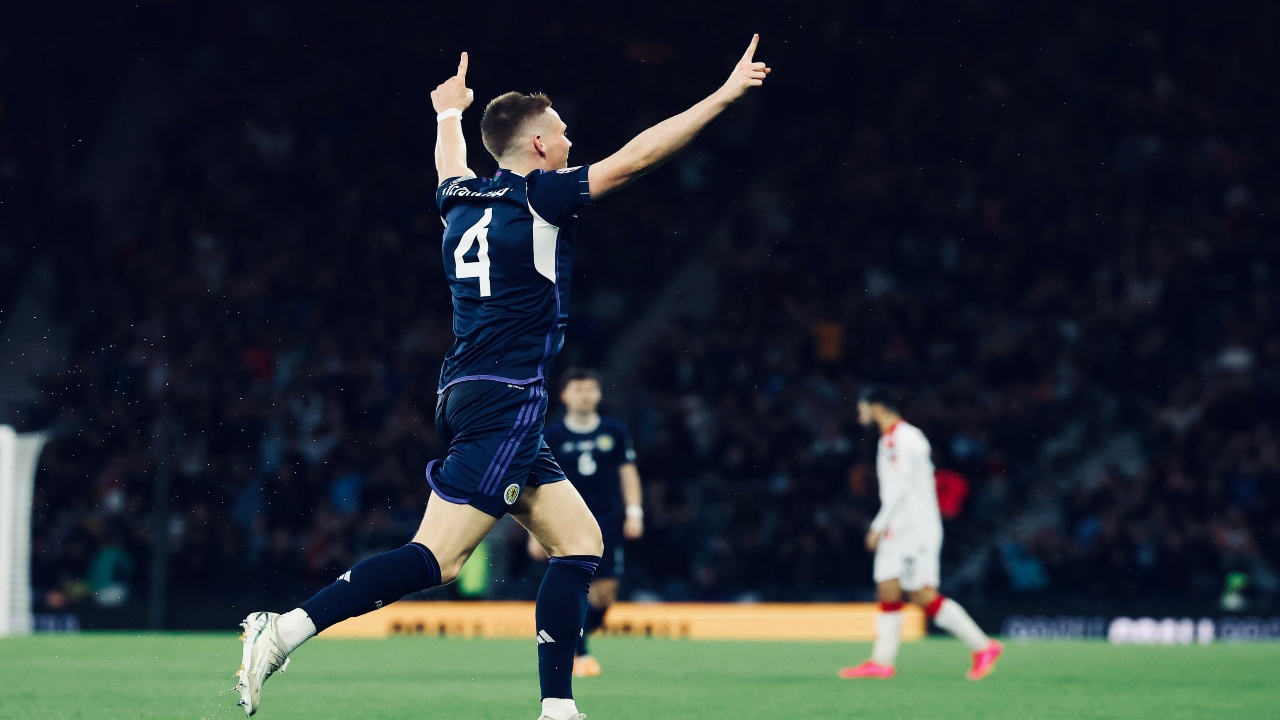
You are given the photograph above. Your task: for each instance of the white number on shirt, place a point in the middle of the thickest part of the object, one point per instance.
(479, 268)
(586, 464)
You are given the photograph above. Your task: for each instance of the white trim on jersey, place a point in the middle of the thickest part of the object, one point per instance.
(545, 236)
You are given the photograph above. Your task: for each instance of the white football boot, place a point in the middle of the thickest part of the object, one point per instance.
(262, 657)
(579, 716)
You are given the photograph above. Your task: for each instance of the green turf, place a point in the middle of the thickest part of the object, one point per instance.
(105, 676)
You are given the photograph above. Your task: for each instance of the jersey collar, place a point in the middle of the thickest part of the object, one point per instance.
(581, 430)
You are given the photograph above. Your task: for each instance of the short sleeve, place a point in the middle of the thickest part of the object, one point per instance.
(446, 191)
(555, 195)
(922, 444)
(921, 452)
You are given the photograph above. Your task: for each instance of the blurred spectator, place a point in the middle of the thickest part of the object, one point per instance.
(1047, 226)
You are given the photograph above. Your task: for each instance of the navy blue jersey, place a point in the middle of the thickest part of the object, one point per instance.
(591, 461)
(508, 252)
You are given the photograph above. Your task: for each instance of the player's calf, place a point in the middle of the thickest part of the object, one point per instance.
(950, 616)
(604, 591)
(370, 584)
(559, 614)
(560, 520)
(885, 650)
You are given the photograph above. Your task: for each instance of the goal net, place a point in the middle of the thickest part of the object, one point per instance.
(19, 454)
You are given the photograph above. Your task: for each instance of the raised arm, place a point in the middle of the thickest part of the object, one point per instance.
(653, 147)
(449, 99)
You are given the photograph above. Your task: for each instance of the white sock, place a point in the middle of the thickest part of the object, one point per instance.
(888, 637)
(294, 628)
(952, 618)
(559, 708)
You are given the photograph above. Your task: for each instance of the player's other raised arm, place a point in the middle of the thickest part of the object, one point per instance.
(449, 99)
(653, 147)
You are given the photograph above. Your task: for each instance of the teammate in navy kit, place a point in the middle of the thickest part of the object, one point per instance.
(598, 458)
(508, 251)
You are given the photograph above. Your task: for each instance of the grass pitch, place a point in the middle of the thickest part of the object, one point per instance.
(104, 676)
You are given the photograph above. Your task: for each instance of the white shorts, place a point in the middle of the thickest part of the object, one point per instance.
(914, 564)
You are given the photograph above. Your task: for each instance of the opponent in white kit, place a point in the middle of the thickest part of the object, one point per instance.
(906, 536)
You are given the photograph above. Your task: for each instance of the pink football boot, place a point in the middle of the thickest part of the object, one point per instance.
(984, 660)
(869, 669)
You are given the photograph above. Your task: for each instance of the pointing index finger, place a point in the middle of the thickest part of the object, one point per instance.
(462, 67)
(751, 49)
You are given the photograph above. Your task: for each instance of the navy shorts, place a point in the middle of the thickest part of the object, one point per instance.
(494, 432)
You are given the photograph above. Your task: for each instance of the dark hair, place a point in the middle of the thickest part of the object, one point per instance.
(504, 116)
(575, 374)
(879, 395)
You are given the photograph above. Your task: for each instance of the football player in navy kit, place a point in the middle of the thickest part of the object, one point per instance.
(508, 250)
(598, 458)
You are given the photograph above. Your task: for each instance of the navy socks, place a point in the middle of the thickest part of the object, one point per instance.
(382, 579)
(372, 583)
(595, 618)
(560, 613)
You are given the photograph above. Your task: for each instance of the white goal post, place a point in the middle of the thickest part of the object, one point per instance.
(19, 456)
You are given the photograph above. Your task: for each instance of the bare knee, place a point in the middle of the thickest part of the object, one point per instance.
(924, 596)
(583, 540)
(589, 542)
(450, 566)
(450, 557)
(560, 520)
(452, 532)
(889, 592)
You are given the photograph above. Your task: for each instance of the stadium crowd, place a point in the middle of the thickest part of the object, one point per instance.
(1063, 222)
(1042, 231)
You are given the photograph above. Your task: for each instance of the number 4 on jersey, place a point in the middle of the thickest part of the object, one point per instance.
(478, 268)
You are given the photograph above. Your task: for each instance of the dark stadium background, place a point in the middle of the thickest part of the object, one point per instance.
(1049, 225)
